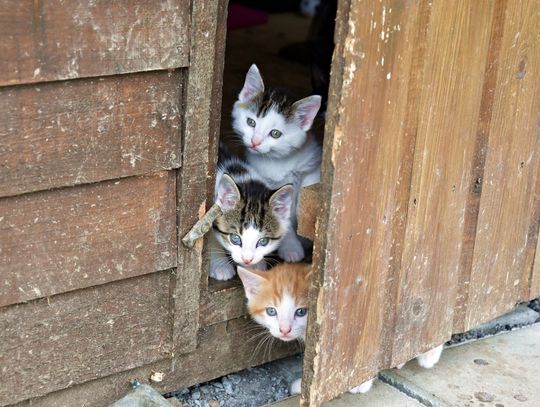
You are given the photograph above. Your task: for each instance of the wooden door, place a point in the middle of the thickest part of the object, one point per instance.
(430, 182)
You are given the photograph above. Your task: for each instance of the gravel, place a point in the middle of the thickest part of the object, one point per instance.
(252, 387)
(268, 383)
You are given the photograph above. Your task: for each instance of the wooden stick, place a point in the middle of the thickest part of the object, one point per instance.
(202, 226)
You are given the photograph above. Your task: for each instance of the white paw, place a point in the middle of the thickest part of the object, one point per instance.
(430, 358)
(295, 387)
(223, 272)
(363, 388)
(291, 250)
(260, 266)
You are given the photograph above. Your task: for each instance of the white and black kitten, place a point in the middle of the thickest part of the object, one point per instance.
(254, 221)
(275, 131)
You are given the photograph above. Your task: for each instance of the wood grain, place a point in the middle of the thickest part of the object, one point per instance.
(458, 41)
(223, 304)
(223, 349)
(54, 343)
(535, 275)
(62, 240)
(470, 219)
(51, 40)
(309, 204)
(511, 165)
(75, 132)
(369, 144)
(195, 180)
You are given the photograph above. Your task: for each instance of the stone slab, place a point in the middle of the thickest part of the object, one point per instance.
(381, 395)
(501, 371)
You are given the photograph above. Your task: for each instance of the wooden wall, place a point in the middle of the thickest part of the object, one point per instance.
(109, 116)
(430, 184)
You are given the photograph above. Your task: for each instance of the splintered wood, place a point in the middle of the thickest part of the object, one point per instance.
(203, 225)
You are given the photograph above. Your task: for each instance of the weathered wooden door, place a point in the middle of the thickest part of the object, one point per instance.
(430, 182)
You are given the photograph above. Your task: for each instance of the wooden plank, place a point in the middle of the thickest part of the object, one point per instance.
(535, 275)
(62, 240)
(53, 343)
(511, 165)
(223, 349)
(530, 280)
(470, 220)
(74, 132)
(223, 305)
(309, 204)
(195, 179)
(51, 40)
(369, 143)
(458, 41)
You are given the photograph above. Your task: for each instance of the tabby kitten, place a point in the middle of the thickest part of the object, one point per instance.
(275, 131)
(255, 218)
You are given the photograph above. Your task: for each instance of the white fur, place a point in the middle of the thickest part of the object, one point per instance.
(430, 358)
(294, 158)
(363, 388)
(284, 319)
(296, 387)
(309, 7)
(248, 254)
(286, 309)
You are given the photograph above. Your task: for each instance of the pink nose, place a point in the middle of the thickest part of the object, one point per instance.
(255, 142)
(247, 260)
(285, 331)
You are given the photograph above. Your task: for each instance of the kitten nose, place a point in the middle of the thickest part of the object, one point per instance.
(256, 141)
(247, 259)
(285, 330)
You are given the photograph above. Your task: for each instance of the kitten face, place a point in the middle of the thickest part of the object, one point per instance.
(268, 121)
(278, 299)
(254, 219)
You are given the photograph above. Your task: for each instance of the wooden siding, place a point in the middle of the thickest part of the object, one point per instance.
(62, 240)
(50, 40)
(74, 132)
(54, 343)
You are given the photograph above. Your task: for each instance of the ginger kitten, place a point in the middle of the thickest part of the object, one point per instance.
(278, 299)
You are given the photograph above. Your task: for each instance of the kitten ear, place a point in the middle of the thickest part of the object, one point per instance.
(228, 194)
(251, 280)
(252, 86)
(281, 201)
(305, 111)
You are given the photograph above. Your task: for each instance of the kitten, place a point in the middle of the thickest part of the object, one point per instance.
(277, 299)
(275, 131)
(255, 218)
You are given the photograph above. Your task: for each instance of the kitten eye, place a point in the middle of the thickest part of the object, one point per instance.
(263, 241)
(235, 239)
(271, 311)
(250, 122)
(276, 133)
(301, 312)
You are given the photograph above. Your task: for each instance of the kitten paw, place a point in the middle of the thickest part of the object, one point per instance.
(260, 266)
(430, 358)
(291, 251)
(225, 272)
(363, 388)
(295, 387)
